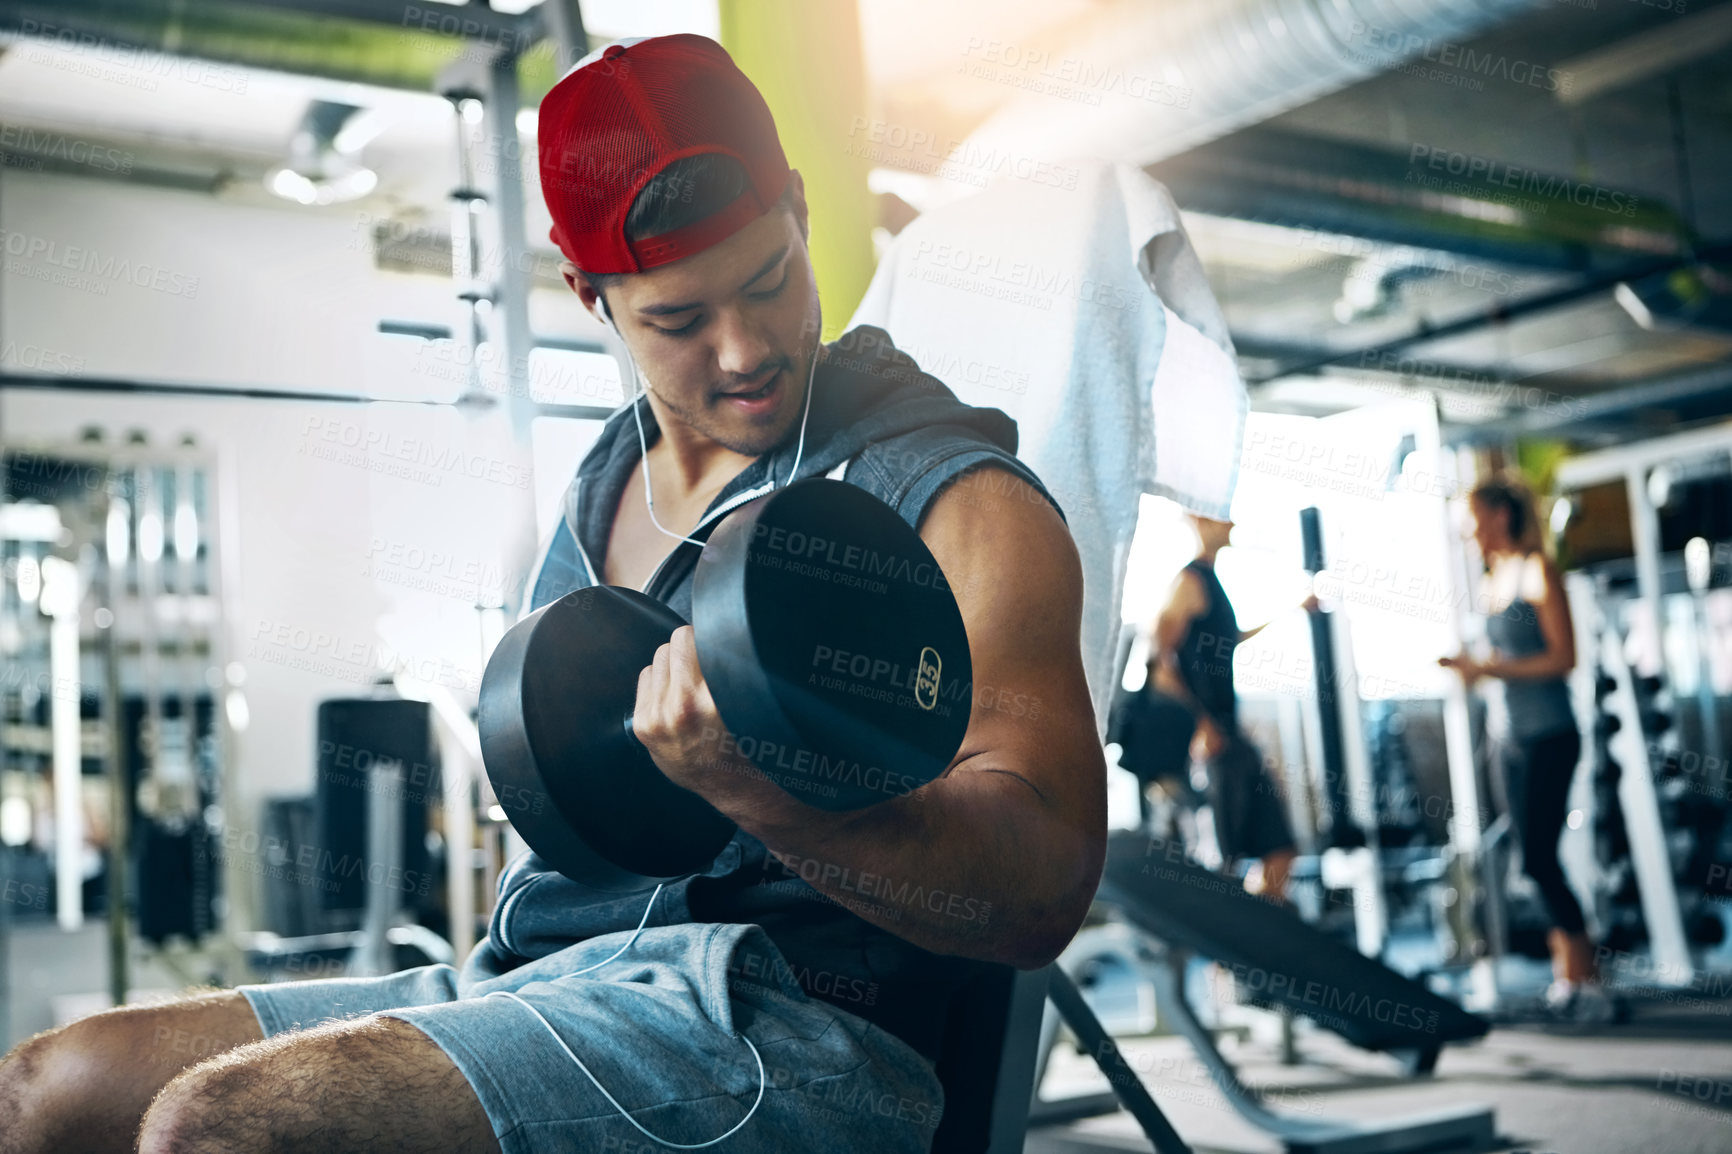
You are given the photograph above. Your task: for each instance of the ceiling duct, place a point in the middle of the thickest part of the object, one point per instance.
(377, 42)
(1424, 198)
(1174, 75)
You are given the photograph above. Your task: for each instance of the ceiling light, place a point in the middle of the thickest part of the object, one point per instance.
(360, 130)
(321, 167)
(29, 579)
(1633, 304)
(1698, 564)
(1660, 486)
(1561, 514)
(352, 185)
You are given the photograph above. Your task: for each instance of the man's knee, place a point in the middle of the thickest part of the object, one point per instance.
(42, 1080)
(184, 1117)
(84, 1083)
(248, 1098)
(23, 1080)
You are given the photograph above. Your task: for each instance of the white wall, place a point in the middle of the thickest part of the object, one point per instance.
(361, 537)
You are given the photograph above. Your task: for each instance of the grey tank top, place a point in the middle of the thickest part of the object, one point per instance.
(1535, 707)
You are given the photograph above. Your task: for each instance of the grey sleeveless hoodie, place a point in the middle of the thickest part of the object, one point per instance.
(902, 436)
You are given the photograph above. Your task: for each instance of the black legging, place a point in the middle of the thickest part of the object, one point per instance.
(1540, 769)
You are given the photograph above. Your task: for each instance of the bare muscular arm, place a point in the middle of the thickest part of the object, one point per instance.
(999, 858)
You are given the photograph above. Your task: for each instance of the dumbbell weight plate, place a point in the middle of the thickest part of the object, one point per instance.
(581, 790)
(832, 644)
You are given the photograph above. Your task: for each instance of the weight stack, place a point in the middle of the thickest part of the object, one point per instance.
(354, 735)
(175, 881)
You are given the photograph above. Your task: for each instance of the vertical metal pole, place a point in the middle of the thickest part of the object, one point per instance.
(119, 822)
(153, 534)
(119, 793)
(1699, 572)
(384, 853)
(514, 260)
(1576, 848)
(66, 743)
(460, 768)
(1467, 812)
(1290, 713)
(564, 23)
(459, 851)
(1708, 705)
(465, 260)
(239, 906)
(1341, 831)
(1645, 533)
(1649, 850)
(1370, 907)
(5, 951)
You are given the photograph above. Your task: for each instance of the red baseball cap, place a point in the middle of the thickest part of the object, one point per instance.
(615, 121)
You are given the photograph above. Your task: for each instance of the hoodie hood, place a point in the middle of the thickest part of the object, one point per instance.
(865, 390)
(866, 393)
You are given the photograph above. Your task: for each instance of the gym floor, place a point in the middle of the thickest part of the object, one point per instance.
(1661, 1081)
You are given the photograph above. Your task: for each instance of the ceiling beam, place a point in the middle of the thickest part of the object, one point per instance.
(1672, 45)
(380, 42)
(1425, 332)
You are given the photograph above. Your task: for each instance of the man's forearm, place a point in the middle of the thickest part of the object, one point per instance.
(974, 864)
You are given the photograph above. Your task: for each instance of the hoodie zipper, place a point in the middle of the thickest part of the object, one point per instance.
(576, 537)
(721, 510)
(727, 507)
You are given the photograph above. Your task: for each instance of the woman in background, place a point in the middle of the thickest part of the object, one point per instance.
(1536, 736)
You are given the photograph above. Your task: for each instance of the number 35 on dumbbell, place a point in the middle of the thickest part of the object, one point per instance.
(829, 639)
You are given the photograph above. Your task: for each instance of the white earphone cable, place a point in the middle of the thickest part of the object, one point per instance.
(638, 390)
(763, 1080)
(643, 921)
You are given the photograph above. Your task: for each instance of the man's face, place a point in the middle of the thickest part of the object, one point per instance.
(724, 339)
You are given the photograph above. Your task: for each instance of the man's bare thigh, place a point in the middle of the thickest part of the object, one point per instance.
(370, 1084)
(131, 1052)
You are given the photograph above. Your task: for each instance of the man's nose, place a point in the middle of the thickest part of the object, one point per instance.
(742, 347)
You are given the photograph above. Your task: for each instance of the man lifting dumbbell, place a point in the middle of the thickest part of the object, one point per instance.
(798, 981)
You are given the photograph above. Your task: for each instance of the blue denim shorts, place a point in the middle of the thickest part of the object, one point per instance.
(661, 1028)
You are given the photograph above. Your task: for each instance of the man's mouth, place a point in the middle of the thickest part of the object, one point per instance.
(754, 397)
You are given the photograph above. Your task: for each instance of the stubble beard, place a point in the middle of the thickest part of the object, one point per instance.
(749, 442)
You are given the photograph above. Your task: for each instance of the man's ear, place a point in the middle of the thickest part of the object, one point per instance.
(586, 292)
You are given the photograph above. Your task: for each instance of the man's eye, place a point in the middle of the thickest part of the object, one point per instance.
(766, 294)
(682, 330)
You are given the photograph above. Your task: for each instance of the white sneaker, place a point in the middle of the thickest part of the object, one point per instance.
(1580, 1001)
(1593, 1004)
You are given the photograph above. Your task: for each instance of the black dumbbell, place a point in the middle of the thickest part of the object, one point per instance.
(830, 641)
